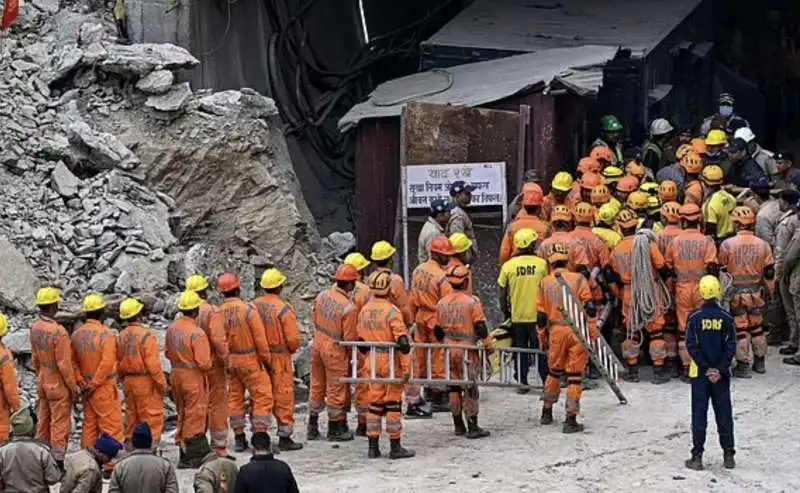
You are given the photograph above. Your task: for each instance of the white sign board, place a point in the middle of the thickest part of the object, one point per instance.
(428, 182)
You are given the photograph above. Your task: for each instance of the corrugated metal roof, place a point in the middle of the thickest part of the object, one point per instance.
(480, 83)
(530, 25)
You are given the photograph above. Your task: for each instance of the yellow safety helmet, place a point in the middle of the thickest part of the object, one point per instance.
(93, 302)
(716, 137)
(649, 187)
(196, 283)
(189, 301)
(613, 174)
(562, 182)
(382, 250)
(47, 296)
(638, 200)
(713, 174)
(3, 325)
(129, 308)
(710, 288)
(525, 237)
(357, 260)
(607, 213)
(460, 242)
(653, 204)
(272, 278)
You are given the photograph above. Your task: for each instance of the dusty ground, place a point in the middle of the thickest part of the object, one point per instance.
(638, 447)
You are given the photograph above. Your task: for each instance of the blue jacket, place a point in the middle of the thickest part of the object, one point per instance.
(710, 340)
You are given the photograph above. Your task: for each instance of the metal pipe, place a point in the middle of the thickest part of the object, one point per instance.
(354, 362)
(391, 362)
(372, 362)
(428, 362)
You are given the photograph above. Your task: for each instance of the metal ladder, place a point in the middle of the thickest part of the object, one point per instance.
(600, 353)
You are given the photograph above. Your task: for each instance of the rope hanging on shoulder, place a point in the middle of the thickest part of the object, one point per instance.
(644, 286)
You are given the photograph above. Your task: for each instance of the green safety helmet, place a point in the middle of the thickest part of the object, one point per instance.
(610, 123)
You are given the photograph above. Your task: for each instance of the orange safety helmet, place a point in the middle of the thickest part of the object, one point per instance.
(531, 187)
(442, 246)
(668, 191)
(690, 212)
(584, 213)
(600, 195)
(699, 146)
(532, 196)
(671, 212)
(558, 252)
(692, 163)
(457, 274)
(601, 154)
(684, 150)
(346, 273)
(380, 283)
(561, 213)
(627, 219)
(589, 165)
(628, 184)
(228, 282)
(591, 180)
(743, 215)
(635, 169)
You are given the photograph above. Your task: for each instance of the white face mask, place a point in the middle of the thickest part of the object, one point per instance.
(726, 111)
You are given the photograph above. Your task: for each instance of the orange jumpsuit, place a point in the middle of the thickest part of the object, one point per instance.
(283, 337)
(457, 313)
(507, 248)
(689, 255)
(381, 321)
(577, 253)
(143, 379)
(746, 256)
(428, 286)
(335, 318)
(52, 362)
(94, 349)
(621, 258)
(9, 399)
(398, 296)
(565, 351)
(359, 296)
(455, 261)
(693, 193)
(217, 377)
(188, 350)
(597, 253)
(664, 239)
(249, 359)
(547, 207)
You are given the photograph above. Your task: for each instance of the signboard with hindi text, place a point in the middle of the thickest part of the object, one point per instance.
(427, 182)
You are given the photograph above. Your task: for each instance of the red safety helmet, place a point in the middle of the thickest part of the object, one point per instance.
(589, 165)
(228, 282)
(602, 154)
(442, 246)
(346, 273)
(591, 180)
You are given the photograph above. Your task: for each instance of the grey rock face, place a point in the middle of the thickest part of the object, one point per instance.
(156, 82)
(64, 182)
(173, 100)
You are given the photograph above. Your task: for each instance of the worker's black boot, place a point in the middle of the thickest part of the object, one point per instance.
(361, 429)
(460, 427)
(418, 411)
(675, 367)
(338, 432)
(374, 449)
(286, 444)
(239, 443)
(696, 462)
(313, 428)
(182, 462)
(660, 375)
(728, 461)
(571, 425)
(774, 337)
(440, 402)
(474, 431)
(788, 350)
(547, 416)
(741, 370)
(632, 375)
(398, 452)
(196, 449)
(759, 366)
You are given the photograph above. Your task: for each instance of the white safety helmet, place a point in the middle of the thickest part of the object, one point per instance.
(745, 134)
(660, 126)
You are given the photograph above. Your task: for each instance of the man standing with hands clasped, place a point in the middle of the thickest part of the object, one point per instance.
(711, 342)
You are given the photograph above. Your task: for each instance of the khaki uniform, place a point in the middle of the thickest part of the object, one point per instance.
(791, 271)
(460, 222)
(769, 214)
(430, 230)
(81, 474)
(142, 471)
(216, 475)
(785, 231)
(27, 466)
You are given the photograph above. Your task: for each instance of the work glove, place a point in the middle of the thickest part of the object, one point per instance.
(404, 345)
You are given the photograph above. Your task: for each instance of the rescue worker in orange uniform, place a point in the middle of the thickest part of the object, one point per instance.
(532, 201)
(749, 261)
(143, 380)
(600, 196)
(188, 350)
(586, 165)
(565, 352)
(619, 271)
(670, 217)
(51, 353)
(460, 320)
(283, 337)
(381, 321)
(9, 395)
(428, 286)
(625, 186)
(462, 244)
(94, 349)
(668, 191)
(217, 376)
(359, 296)
(248, 361)
(587, 183)
(562, 235)
(382, 255)
(335, 317)
(692, 165)
(559, 190)
(691, 255)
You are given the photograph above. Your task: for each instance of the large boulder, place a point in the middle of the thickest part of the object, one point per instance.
(137, 59)
(19, 282)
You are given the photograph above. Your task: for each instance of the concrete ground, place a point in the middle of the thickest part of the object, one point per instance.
(638, 447)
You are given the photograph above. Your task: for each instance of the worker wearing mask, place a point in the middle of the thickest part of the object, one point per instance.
(143, 379)
(725, 113)
(711, 342)
(655, 153)
(460, 222)
(532, 202)
(94, 348)
(52, 359)
(718, 205)
(142, 470)
(26, 465)
(82, 469)
(436, 225)
(381, 321)
(217, 377)
(335, 318)
(691, 255)
(188, 350)
(283, 338)
(611, 137)
(559, 191)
